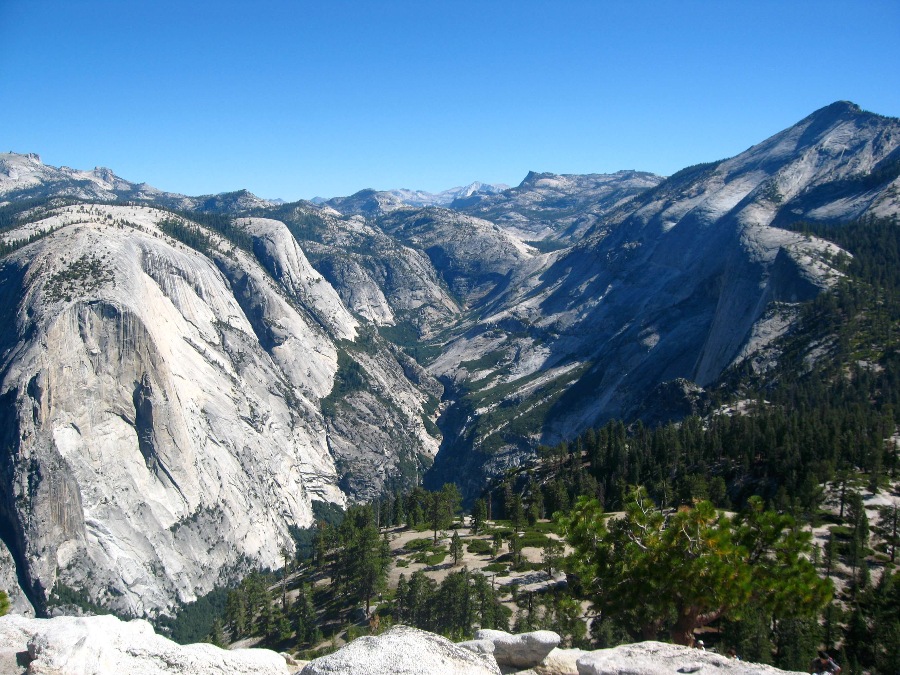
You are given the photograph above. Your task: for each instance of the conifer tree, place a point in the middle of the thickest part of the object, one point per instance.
(443, 507)
(456, 548)
(217, 634)
(236, 614)
(304, 619)
(552, 555)
(479, 515)
(686, 570)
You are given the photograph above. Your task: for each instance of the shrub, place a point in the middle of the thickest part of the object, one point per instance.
(423, 544)
(479, 547)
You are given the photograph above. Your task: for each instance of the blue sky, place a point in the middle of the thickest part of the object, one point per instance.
(297, 99)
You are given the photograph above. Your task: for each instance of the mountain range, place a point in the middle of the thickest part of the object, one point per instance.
(185, 380)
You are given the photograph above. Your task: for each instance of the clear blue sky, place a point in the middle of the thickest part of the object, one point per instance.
(296, 99)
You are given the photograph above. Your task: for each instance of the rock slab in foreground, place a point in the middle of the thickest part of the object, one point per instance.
(104, 645)
(402, 651)
(658, 658)
(524, 650)
(477, 646)
(560, 662)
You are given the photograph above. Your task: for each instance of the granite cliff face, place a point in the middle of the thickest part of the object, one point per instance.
(379, 278)
(161, 406)
(678, 284)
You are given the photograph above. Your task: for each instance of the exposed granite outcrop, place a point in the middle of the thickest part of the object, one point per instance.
(403, 651)
(104, 645)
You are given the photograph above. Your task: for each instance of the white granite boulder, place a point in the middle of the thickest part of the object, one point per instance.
(560, 662)
(403, 651)
(477, 646)
(524, 650)
(658, 658)
(104, 645)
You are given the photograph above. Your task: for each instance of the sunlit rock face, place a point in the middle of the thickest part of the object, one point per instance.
(161, 406)
(104, 645)
(678, 284)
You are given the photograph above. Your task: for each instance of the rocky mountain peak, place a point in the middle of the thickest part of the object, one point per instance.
(532, 177)
(839, 109)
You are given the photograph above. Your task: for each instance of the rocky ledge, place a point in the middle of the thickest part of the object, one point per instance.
(104, 645)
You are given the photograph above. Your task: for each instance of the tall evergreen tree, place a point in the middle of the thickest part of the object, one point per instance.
(693, 567)
(304, 619)
(456, 548)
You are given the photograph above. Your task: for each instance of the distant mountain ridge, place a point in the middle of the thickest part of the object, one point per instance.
(25, 176)
(447, 197)
(373, 203)
(555, 206)
(419, 198)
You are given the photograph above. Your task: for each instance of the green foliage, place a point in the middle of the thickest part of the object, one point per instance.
(304, 225)
(684, 570)
(819, 417)
(248, 607)
(62, 595)
(15, 244)
(327, 512)
(530, 539)
(403, 334)
(4, 603)
(225, 226)
(795, 639)
(456, 548)
(304, 541)
(14, 214)
(479, 547)
(83, 276)
(419, 544)
(431, 558)
(443, 507)
(191, 227)
(751, 636)
(188, 234)
(462, 600)
(354, 555)
(553, 610)
(479, 515)
(349, 378)
(194, 621)
(217, 634)
(872, 636)
(552, 555)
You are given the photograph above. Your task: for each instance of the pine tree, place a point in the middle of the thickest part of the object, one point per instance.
(552, 555)
(236, 613)
(479, 515)
(304, 619)
(515, 548)
(443, 506)
(401, 606)
(217, 634)
(693, 567)
(456, 548)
